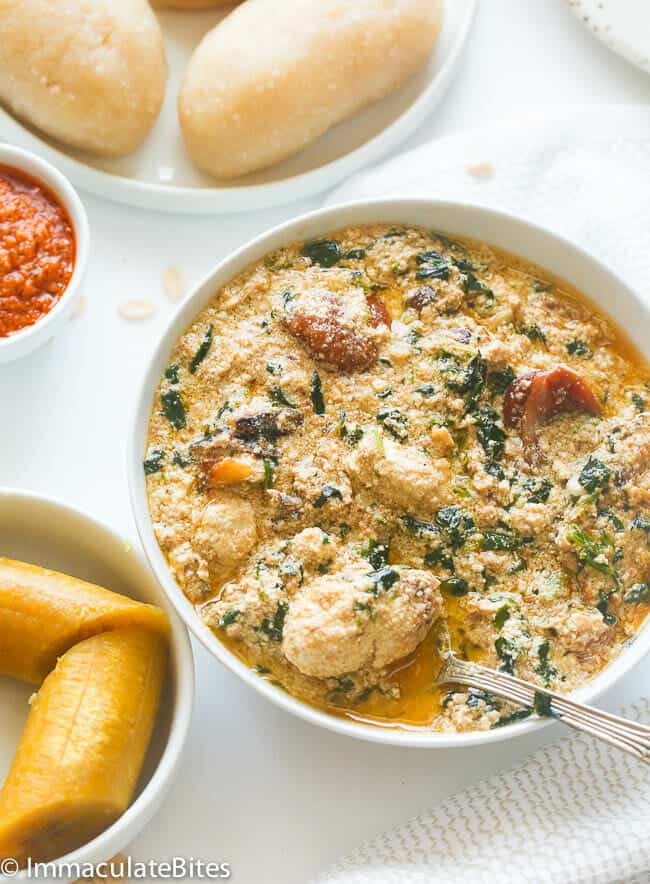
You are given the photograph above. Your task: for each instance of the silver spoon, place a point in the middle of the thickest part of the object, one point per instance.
(627, 735)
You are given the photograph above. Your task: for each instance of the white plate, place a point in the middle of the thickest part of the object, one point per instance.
(46, 532)
(160, 175)
(622, 25)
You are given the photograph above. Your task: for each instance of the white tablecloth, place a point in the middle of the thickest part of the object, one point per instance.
(276, 797)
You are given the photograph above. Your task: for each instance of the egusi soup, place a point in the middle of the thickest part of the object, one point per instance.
(363, 434)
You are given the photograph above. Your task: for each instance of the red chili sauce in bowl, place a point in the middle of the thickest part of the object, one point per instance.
(37, 251)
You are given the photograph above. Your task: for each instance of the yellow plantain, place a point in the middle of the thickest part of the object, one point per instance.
(87, 733)
(44, 613)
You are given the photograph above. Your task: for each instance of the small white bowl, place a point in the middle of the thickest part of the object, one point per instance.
(506, 231)
(28, 339)
(46, 532)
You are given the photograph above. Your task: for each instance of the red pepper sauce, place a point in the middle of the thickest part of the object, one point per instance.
(37, 251)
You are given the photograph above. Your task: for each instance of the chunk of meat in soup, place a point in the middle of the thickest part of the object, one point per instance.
(333, 331)
(536, 397)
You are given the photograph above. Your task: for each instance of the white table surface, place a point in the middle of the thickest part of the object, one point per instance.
(275, 797)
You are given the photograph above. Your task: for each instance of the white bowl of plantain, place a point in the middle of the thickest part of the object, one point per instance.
(88, 758)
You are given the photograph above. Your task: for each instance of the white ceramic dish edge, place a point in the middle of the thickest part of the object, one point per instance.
(622, 25)
(516, 235)
(218, 200)
(28, 339)
(150, 798)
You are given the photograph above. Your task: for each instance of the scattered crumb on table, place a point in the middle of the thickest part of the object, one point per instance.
(136, 309)
(78, 308)
(173, 283)
(480, 170)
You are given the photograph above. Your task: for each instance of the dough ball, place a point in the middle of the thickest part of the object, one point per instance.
(190, 4)
(274, 75)
(90, 73)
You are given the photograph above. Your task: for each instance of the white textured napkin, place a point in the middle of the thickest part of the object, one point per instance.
(584, 173)
(576, 812)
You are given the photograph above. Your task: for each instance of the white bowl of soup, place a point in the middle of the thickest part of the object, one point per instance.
(390, 414)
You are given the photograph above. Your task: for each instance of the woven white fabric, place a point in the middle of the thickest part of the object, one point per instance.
(585, 174)
(576, 812)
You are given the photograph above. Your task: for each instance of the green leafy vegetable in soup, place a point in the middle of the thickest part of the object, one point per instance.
(317, 398)
(431, 265)
(203, 350)
(174, 408)
(455, 586)
(501, 540)
(153, 462)
(326, 252)
(594, 475)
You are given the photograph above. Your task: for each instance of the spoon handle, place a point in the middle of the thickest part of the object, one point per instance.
(626, 735)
